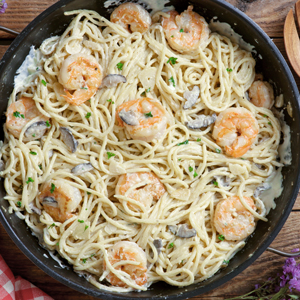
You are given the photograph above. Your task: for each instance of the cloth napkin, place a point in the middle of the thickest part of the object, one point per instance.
(12, 288)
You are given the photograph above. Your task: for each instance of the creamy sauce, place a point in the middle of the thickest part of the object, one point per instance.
(284, 149)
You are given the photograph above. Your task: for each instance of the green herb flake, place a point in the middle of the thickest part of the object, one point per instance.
(148, 90)
(89, 100)
(29, 180)
(179, 159)
(183, 143)
(92, 255)
(198, 140)
(120, 66)
(171, 245)
(195, 174)
(52, 188)
(229, 70)
(243, 158)
(215, 183)
(47, 123)
(44, 82)
(191, 169)
(52, 225)
(84, 260)
(80, 221)
(172, 60)
(265, 116)
(21, 186)
(88, 115)
(19, 203)
(88, 193)
(33, 153)
(109, 100)
(110, 154)
(40, 166)
(18, 115)
(57, 244)
(181, 30)
(270, 123)
(226, 262)
(148, 115)
(218, 150)
(172, 80)
(172, 36)
(221, 237)
(33, 135)
(86, 227)
(84, 88)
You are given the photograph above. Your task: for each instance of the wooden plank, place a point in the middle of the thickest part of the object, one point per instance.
(3, 48)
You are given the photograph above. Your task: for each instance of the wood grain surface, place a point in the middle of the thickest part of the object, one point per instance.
(269, 15)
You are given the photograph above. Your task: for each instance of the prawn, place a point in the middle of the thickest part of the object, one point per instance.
(235, 129)
(186, 32)
(59, 199)
(81, 76)
(144, 118)
(131, 16)
(233, 220)
(152, 188)
(261, 94)
(122, 253)
(19, 113)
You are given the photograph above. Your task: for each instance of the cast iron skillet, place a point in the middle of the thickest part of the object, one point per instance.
(52, 22)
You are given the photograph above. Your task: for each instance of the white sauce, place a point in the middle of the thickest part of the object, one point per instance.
(284, 149)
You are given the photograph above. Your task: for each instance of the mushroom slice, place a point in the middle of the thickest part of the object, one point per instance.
(68, 139)
(112, 80)
(128, 117)
(182, 231)
(191, 97)
(36, 130)
(82, 168)
(158, 245)
(259, 189)
(50, 201)
(34, 208)
(222, 180)
(201, 121)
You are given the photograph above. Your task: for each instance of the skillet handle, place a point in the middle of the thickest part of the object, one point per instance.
(286, 254)
(5, 29)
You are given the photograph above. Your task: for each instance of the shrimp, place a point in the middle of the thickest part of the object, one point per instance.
(144, 119)
(233, 220)
(59, 199)
(186, 32)
(235, 129)
(151, 189)
(261, 94)
(81, 74)
(19, 113)
(122, 253)
(131, 16)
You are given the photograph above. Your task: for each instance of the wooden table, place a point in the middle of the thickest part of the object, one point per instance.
(269, 15)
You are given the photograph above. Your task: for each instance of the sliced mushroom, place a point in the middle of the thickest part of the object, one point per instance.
(222, 180)
(191, 97)
(128, 117)
(36, 130)
(259, 189)
(112, 80)
(50, 201)
(34, 208)
(82, 168)
(68, 139)
(182, 230)
(201, 121)
(158, 245)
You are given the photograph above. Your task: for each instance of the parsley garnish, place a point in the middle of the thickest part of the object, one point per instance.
(18, 115)
(33, 135)
(52, 188)
(215, 183)
(84, 88)
(48, 124)
(190, 169)
(110, 154)
(183, 143)
(84, 260)
(181, 30)
(172, 36)
(57, 244)
(172, 80)
(86, 227)
(120, 66)
(80, 221)
(270, 123)
(148, 115)
(218, 150)
(171, 245)
(198, 140)
(109, 100)
(29, 180)
(40, 166)
(172, 60)
(44, 82)
(226, 262)
(179, 159)
(148, 90)
(19, 203)
(264, 116)
(33, 153)
(88, 193)
(229, 70)
(52, 225)
(88, 115)
(195, 174)
(221, 237)
(92, 255)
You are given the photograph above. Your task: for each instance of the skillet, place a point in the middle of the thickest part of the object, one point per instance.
(53, 22)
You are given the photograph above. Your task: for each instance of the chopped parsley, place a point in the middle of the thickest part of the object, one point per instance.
(88, 115)
(109, 100)
(92, 255)
(270, 123)
(47, 123)
(52, 225)
(179, 159)
(148, 90)
(195, 174)
(264, 116)
(44, 82)
(29, 180)
(172, 60)
(33, 153)
(120, 66)
(221, 237)
(243, 158)
(21, 186)
(88, 193)
(215, 183)
(33, 135)
(172, 36)
(57, 244)
(86, 227)
(19, 203)
(172, 80)
(84, 88)
(181, 30)
(191, 169)
(110, 154)
(229, 70)
(218, 150)
(226, 262)
(183, 143)
(198, 140)
(40, 166)
(80, 221)
(84, 260)
(148, 115)
(52, 188)
(18, 115)
(171, 245)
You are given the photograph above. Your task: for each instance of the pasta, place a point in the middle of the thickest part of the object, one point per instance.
(154, 192)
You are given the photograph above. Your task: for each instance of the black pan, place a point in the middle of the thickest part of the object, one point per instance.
(53, 22)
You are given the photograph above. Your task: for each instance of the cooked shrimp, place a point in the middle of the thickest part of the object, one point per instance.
(144, 119)
(59, 199)
(19, 113)
(133, 17)
(186, 32)
(235, 129)
(151, 189)
(261, 94)
(81, 76)
(233, 220)
(122, 253)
